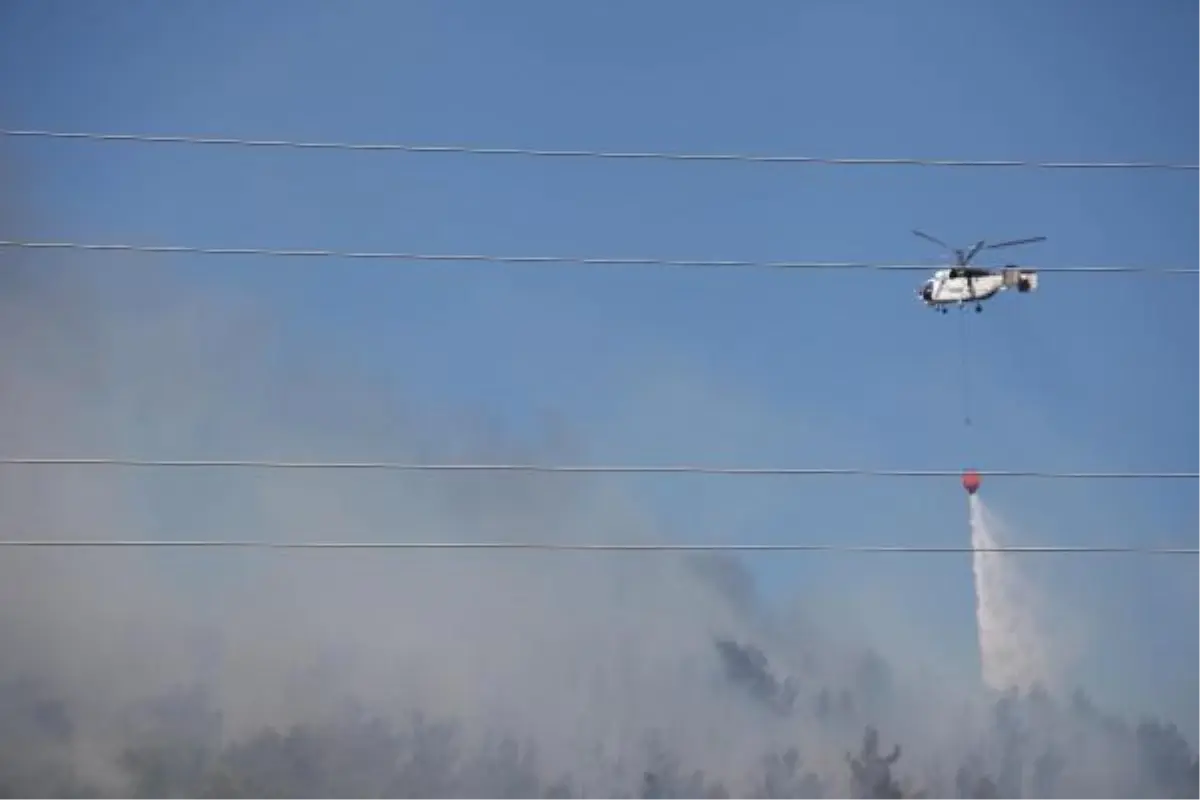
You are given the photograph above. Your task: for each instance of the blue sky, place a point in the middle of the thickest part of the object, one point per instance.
(1091, 373)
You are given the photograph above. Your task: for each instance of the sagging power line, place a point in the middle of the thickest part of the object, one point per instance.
(627, 469)
(267, 544)
(610, 261)
(232, 141)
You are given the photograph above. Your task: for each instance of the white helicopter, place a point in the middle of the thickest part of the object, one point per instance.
(961, 283)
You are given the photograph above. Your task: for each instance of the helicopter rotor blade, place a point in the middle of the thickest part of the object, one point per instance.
(933, 239)
(1014, 243)
(974, 251)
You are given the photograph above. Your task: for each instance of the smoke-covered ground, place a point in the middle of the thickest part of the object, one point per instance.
(369, 673)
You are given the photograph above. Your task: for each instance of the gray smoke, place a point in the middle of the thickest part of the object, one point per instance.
(369, 673)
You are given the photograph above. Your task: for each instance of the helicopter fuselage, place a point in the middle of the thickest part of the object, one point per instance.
(956, 286)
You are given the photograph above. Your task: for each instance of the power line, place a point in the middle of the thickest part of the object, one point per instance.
(272, 252)
(266, 544)
(628, 469)
(228, 141)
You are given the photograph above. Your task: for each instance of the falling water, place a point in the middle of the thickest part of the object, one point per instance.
(1012, 651)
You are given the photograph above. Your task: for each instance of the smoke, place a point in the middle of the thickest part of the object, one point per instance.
(1013, 650)
(399, 673)
(585, 659)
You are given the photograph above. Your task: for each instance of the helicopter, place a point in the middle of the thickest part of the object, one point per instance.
(963, 283)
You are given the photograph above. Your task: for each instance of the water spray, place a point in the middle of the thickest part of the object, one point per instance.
(1012, 651)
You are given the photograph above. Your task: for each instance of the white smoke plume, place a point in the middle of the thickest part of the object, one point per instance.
(138, 673)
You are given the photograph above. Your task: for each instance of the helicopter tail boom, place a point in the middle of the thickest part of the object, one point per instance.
(1023, 280)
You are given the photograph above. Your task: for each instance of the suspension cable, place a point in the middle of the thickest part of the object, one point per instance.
(629, 469)
(612, 261)
(233, 141)
(267, 544)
